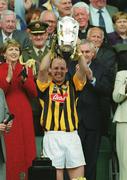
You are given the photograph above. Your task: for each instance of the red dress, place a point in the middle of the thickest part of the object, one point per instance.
(20, 141)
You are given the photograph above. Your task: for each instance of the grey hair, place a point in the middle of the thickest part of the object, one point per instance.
(80, 5)
(45, 11)
(91, 44)
(56, 1)
(92, 28)
(6, 13)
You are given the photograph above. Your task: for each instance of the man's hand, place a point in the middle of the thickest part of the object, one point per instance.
(89, 74)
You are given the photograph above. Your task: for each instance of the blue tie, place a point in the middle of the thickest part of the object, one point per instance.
(101, 19)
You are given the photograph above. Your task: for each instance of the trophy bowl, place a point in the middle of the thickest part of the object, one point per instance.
(67, 34)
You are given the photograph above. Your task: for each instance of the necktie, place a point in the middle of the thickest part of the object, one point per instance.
(101, 19)
(7, 39)
(39, 54)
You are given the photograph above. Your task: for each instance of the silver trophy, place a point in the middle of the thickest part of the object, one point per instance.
(67, 34)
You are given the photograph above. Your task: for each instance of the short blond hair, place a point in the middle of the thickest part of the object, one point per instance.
(11, 43)
(119, 15)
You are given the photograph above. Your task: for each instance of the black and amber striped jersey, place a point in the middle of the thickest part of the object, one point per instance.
(59, 104)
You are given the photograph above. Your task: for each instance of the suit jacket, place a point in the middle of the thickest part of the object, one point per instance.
(20, 36)
(108, 57)
(114, 38)
(3, 115)
(120, 97)
(122, 4)
(82, 35)
(90, 100)
(94, 103)
(29, 53)
(111, 9)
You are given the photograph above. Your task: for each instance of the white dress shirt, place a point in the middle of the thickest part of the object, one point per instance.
(6, 37)
(107, 18)
(36, 50)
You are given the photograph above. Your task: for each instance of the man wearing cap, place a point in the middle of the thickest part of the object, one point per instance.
(38, 35)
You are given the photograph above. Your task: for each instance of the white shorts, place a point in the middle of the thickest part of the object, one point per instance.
(64, 149)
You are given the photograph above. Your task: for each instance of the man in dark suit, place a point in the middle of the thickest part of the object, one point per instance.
(8, 30)
(108, 58)
(93, 101)
(3, 127)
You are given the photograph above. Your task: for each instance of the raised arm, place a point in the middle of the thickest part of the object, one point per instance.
(44, 68)
(83, 69)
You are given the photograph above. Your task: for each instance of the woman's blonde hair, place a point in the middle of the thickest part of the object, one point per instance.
(11, 43)
(119, 15)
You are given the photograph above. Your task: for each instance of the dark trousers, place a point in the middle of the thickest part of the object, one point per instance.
(90, 140)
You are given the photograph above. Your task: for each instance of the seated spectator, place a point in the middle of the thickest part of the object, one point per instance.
(61, 8)
(3, 5)
(50, 18)
(101, 14)
(20, 24)
(118, 38)
(9, 31)
(80, 12)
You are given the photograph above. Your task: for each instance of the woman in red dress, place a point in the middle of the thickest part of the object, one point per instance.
(18, 85)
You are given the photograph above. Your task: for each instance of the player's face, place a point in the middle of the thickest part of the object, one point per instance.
(58, 70)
